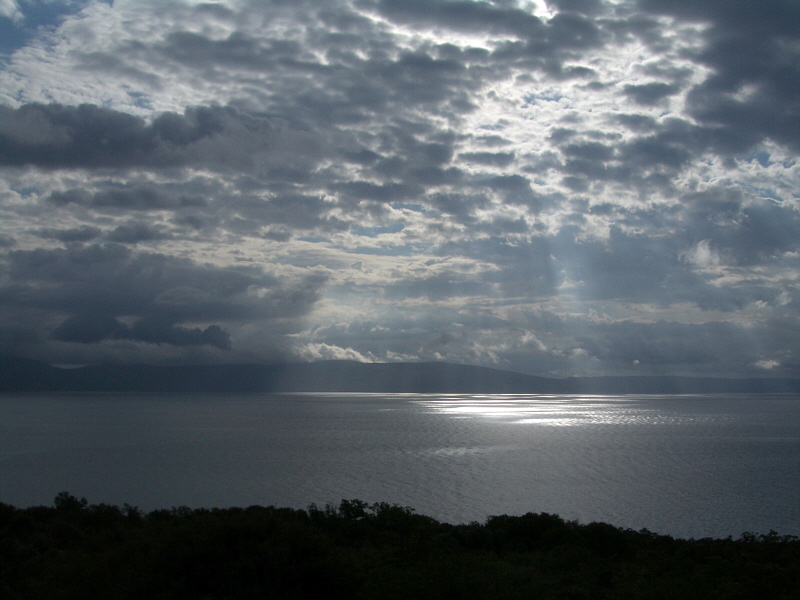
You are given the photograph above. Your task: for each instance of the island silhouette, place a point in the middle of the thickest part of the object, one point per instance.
(26, 375)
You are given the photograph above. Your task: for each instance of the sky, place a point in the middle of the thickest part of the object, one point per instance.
(556, 187)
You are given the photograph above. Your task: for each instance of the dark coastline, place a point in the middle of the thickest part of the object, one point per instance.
(361, 551)
(25, 376)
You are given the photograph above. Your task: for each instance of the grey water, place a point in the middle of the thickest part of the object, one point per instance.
(688, 466)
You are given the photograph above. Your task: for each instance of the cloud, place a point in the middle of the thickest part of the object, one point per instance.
(565, 188)
(752, 94)
(650, 94)
(89, 136)
(134, 232)
(767, 364)
(702, 255)
(314, 352)
(498, 159)
(99, 286)
(10, 10)
(92, 328)
(83, 233)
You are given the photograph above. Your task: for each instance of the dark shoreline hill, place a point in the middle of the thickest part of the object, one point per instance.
(25, 375)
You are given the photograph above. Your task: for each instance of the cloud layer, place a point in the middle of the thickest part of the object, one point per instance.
(563, 188)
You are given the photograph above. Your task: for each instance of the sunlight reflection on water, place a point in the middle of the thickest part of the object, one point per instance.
(562, 411)
(687, 465)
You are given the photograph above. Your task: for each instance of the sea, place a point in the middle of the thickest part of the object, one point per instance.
(687, 466)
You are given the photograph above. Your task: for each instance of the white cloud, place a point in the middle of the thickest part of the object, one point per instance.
(312, 352)
(767, 364)
(10, 10)
(702, 255)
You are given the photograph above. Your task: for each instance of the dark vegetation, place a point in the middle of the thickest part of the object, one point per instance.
(25, 375)
(355, 550)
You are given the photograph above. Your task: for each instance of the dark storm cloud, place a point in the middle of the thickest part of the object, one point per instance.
(68, 136)
(664, 345)
(639, 123)
(650, 94)
(349, 87)
(526, 269)
(669, 347)
(503, 226)
(388, 192)
(587, 7)
(135, 232)
(749, 43)
(132, 198)
(657, 152)
(77, 234)
(157, 332)
(91, 137)
(96, 284)
(90, 328)
(93, 328)
(129, 197)
(671, 147)
(746, 45)
(630, 268)
(753, 235)
(497, 159)
(533, 43)
(237, 50)
(559, 135)
(737, 233)
(293, 210)
(459, 206)
(566, 30)
(515, 189)
(493, 140)
(463, 15)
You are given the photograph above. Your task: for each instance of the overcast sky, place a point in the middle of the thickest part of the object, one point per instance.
(566, 187)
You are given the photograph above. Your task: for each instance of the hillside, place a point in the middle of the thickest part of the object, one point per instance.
(24, 375)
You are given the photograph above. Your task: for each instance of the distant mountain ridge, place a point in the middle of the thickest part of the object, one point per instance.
(25, 375)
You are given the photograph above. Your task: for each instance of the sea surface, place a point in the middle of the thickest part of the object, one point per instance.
(688, 466)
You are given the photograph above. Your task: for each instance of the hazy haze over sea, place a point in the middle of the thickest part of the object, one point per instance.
(684, 465)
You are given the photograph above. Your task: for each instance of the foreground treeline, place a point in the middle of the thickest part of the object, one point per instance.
(355, 550)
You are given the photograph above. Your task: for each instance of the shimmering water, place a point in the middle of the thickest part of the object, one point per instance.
(689, 466)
